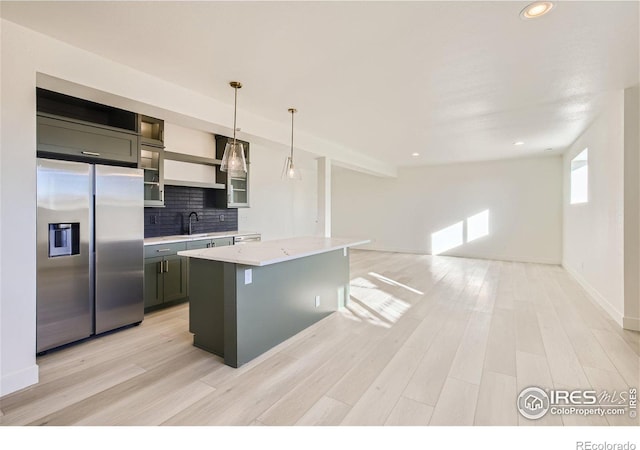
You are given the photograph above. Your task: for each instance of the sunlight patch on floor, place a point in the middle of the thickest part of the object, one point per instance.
(394, 283)
(372, 304)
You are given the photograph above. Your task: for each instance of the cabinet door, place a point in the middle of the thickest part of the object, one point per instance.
(151, 130)
(152, 163)
(200, 243)
(221, 242)
(159, 250)
(175, 277)
(152, 281)
(238, 190)
(85, 141)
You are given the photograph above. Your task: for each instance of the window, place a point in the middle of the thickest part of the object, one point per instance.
(580, 178)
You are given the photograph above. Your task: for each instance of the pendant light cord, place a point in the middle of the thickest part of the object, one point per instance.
(292, 112)
(235, 109)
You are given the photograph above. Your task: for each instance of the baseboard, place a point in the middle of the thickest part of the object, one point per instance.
(596, 297)
(388, 250)
(374, 248)
(631, 323)
(18, 380)
(508, 258)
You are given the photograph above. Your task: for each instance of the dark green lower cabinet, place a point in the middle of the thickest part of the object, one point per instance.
(166, 275)
(165, 279)
(153, 282)
(175, 278)
(209, 243)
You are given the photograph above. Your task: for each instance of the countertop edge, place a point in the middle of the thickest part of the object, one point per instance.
(190, 238)
(197, 254)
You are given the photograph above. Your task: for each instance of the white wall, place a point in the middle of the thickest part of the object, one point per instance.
(634, 311)
(18, 215)
(523, 197)
(26, 57)
(594, 231)
(279, 208)
(179, 139)
(631, 319)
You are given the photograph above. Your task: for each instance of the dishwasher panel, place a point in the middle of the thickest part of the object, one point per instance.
(245, 239)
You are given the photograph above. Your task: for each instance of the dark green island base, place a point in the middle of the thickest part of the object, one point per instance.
(239, 315)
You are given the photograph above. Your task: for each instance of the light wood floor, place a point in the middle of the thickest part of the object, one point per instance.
(425, 341)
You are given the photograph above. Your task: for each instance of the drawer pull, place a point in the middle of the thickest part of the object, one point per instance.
(163, 250)
(91, 153)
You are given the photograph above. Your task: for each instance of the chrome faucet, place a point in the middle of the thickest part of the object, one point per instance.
(191, 214)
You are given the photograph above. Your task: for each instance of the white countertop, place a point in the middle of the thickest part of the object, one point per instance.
(194, 237)
(271, 252)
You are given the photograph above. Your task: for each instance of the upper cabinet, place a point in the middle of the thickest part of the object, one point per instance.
(169, 154)
(75, 140)
(76, 129)
(151, 131)
(236, 192)
(152, 159)
(151, 162)
(57, 104)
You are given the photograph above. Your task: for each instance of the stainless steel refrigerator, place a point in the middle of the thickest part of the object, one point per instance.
(90, 237)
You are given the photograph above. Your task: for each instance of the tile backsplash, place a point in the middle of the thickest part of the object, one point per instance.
(179, 202)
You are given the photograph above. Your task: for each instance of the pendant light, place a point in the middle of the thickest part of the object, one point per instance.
(233, 160)
(290, 171)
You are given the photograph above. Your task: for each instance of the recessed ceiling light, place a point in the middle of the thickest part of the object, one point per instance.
(415, 154)
(518, 143)
(535, 10)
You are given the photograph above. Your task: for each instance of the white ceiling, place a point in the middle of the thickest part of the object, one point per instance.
(454, 81)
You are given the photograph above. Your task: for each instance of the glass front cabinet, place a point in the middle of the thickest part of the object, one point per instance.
(236, 192)
(152, 159)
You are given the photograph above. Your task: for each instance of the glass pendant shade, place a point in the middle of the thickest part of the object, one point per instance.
(233, 160)
(290, 171)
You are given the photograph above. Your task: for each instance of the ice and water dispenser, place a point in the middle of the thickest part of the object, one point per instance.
(64, 239)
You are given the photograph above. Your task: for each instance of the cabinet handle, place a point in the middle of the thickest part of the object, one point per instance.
(166, 266)
(160, 267)
(162, 196)
(163, 250)
(213, 244)
(208, 245)
(91, 153)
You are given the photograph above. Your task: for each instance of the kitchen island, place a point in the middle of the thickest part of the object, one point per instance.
(246, 299)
